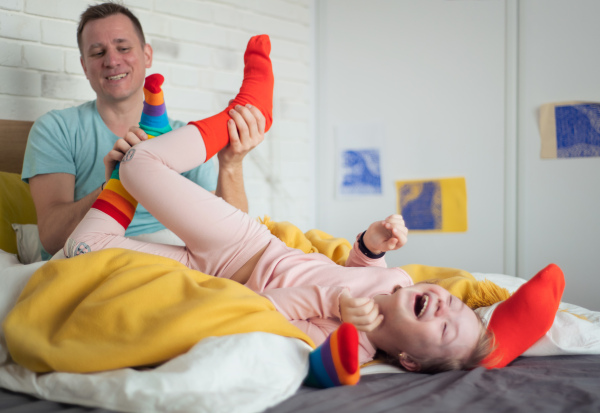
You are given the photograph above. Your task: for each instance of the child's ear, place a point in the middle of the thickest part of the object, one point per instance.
(409, 363)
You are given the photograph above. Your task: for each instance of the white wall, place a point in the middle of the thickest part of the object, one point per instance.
(458, 85)
(198, 46)
(559, 219)
(432, 72)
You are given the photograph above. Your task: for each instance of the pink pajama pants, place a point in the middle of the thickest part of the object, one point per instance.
(220, 238)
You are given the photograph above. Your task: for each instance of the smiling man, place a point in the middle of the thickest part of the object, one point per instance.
(66, 149)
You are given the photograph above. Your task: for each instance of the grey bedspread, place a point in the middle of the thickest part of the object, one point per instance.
(536, 384)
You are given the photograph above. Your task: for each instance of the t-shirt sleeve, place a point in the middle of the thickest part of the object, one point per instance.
(48, 149)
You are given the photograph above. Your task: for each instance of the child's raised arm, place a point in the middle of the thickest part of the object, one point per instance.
(387, 235)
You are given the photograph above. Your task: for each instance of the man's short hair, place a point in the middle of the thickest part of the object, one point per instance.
(100, 11)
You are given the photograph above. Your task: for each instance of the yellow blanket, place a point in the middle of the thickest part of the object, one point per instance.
(117, 308)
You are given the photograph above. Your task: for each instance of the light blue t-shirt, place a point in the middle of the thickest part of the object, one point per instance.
(75, 141)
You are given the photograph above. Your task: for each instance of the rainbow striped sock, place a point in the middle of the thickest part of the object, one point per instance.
(114, 200)
(335, 362)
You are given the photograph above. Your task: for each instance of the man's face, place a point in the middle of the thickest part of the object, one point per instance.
(426, 321)
(114, 59)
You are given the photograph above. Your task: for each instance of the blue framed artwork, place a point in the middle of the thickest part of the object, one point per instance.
(577, 130)
(359, 148)
(570, 130)
(361, 172)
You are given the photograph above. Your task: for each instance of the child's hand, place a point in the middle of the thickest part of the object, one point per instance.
(362, 312)
(387, 235)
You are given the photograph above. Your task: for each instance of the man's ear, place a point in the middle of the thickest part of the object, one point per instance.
(83, 66)
(148, 52)
(409, 363)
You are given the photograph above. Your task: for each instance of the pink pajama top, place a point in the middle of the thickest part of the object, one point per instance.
(305, 288)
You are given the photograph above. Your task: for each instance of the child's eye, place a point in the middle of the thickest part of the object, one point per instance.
(444, 330)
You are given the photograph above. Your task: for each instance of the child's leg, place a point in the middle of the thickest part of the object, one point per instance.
(335, 362)
(114, 200)
(105, 223)
(219, 237)
(99, 230)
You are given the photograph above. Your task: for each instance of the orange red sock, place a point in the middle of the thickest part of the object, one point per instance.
(256, 90)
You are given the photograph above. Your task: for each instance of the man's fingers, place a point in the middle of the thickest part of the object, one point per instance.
(250, 119)
(234, 138)
(240, 123)
(138, 132)
(260, 120)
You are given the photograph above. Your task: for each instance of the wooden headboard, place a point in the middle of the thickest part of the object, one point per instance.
(13, 139)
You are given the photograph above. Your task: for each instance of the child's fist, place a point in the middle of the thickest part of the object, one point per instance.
(362, 312)
(387, 235)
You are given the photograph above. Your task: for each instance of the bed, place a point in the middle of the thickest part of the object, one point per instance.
(255, 372)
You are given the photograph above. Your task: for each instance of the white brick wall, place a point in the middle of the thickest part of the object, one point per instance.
(198, 46)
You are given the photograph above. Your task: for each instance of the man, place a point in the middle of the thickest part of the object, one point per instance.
(67, 149)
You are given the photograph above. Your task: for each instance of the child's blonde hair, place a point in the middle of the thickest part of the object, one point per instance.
(483, 348)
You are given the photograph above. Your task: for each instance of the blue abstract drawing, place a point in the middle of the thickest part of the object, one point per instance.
(361, 172)
(577, 130)
(421, 205)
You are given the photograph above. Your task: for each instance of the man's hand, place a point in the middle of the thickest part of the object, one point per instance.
(246, 131)
(362, 312)
(116, 154)
(387, 235)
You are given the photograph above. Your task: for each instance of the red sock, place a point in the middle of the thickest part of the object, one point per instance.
(525, 316)
(257, 90)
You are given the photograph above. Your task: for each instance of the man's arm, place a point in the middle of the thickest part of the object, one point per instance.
(246, 131)
(57, 212)
(230, 186)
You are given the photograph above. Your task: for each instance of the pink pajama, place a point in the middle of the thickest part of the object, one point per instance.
(219, 239)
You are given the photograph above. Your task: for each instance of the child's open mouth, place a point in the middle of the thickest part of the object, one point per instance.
(421, 303)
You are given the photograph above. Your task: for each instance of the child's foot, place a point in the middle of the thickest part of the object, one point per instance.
(154, 120)
(335, 362)
(114, 200)
(256, 90)
(522, 319)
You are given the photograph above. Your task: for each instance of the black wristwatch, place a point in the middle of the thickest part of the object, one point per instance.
(362, 247)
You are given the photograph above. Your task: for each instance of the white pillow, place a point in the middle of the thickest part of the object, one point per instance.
(29, 245)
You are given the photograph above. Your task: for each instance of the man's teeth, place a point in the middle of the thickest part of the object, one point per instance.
(117, 77)
(425, 302)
